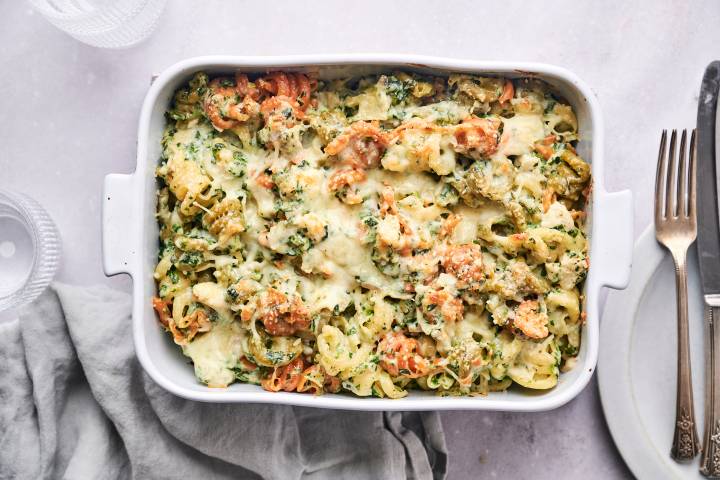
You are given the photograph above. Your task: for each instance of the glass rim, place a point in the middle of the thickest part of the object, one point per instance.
(44, 7)
(46, 248)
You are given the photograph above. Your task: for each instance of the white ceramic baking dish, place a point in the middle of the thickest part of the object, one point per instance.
(130, 232)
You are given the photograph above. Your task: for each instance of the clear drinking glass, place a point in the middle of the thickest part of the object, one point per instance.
(29, 249)
(103, 23)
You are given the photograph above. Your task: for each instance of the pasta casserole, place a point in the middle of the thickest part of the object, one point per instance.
(372, 235)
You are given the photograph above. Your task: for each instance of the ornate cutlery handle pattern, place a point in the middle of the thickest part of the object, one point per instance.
(710, 461)
(686, 443)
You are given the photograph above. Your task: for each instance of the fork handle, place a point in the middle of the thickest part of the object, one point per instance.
(686, 444)
(710, 461)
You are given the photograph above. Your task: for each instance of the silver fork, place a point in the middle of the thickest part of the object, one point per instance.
(676, 229)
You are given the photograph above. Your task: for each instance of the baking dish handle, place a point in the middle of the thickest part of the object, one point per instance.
(612, 254)
(118, 224)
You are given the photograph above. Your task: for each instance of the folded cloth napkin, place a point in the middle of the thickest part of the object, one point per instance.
(75, 403)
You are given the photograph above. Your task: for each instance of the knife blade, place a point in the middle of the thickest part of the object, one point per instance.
(708, 245)
(708, 220)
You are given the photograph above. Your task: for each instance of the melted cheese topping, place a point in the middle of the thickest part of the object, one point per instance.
(393, 232)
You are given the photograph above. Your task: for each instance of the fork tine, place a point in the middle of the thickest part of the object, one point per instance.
(682, 209)
(693, 176)
(659, 179)
(670, 201)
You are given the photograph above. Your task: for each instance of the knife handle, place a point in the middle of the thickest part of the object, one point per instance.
(710, 461)
(686, 443)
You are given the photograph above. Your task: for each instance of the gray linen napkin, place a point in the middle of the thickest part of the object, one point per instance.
(75, 403)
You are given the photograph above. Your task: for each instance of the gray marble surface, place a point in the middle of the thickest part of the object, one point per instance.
(69, 112)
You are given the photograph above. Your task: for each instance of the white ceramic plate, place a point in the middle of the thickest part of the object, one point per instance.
(637, 362)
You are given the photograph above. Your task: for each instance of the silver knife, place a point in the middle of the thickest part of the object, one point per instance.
(708, 245)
